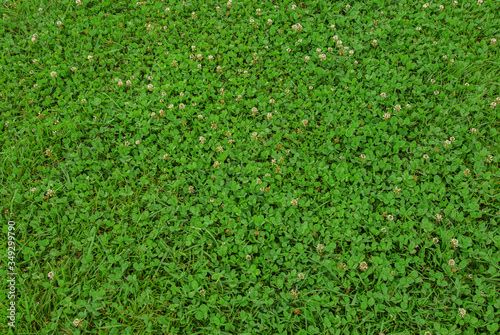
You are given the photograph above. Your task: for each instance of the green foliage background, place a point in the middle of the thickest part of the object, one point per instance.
(134, 250)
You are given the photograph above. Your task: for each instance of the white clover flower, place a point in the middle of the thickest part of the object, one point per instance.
(473, 131)
(202, 140)
(426, 5)
(418, 28)
(436, 92)
(332, 27)
(50, 275)
(77, 322)
(441, 7)
(294, 202)
(269, 116)
(305, 123)
(447, 143)
(254, 135)
(90, 58)
(387, 116)
(362, 156)
(50, 193)
(439, 217)
(383, 230)
(374, 43)
(216, 165)
(53, 74)
(182, 106)
(137, 142)
(383, 94)
(462, 311)
(493, 41)
(347, 6)
(320, 247)
(363, 266)
(307, 58)
(301, 276)
(322, 57)
(390, 217)
(397, 108)
(120, 83)
(33, 189)
(435, 240)
(127, 143)
(451, 262)
(248, 257)
(269, 22)
(425, 156)
(351, 52)
(150, 87)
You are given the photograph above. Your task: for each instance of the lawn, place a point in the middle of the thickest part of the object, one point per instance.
(248, 167)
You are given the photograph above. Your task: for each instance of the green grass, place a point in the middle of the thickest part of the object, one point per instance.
(314, 213)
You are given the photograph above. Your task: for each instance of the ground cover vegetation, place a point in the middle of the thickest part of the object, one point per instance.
(248, 167)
